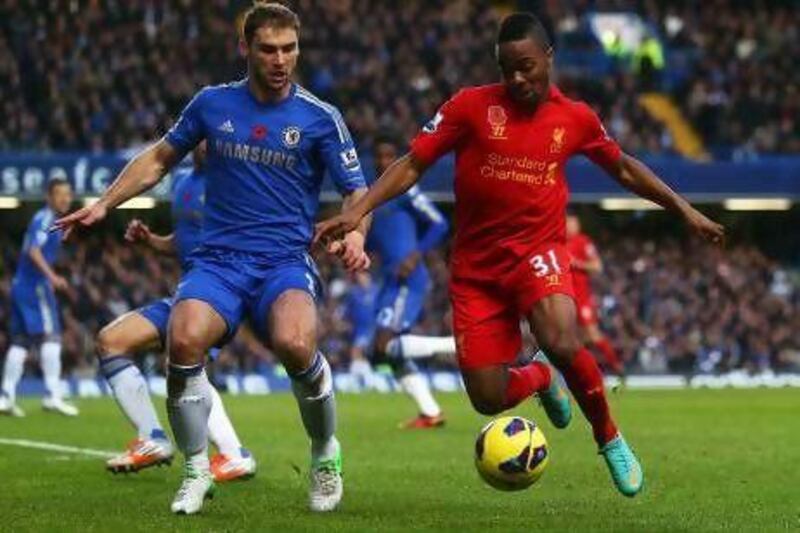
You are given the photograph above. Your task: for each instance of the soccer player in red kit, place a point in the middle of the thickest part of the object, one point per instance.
(512, 141)
(584, 262)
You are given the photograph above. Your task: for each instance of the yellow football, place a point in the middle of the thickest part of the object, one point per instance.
(511, 453)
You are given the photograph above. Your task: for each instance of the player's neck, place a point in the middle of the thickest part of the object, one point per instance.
(529, 107)
(266, 95)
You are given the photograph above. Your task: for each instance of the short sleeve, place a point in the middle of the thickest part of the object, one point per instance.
(188, 130)
(339, 155)
(37, 233)
(443, 132)
(597, 145)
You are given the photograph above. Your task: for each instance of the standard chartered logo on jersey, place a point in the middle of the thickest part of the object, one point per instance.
(255, 154)
(519, 169)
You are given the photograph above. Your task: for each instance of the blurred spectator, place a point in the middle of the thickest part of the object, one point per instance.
(720, 311)
(741, 90)
(108, 75)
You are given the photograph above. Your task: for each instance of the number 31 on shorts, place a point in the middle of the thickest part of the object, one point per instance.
(545, 264)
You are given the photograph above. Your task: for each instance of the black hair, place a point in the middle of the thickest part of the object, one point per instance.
(271, 14)
(518, 26)
(52, 183)
(388, 137)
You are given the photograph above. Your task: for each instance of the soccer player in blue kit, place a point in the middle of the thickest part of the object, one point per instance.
(146, 328)
(269, 144)
(402, 231)
(35, 317)
(359, 311)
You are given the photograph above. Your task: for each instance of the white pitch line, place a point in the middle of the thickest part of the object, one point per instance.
(49, 446)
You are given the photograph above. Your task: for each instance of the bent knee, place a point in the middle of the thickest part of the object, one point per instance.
(295, 346)
(487, 404)
(108, 342)
(187, 345)
(562, 344)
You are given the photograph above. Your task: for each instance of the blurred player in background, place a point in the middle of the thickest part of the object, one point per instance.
(359, 310)
(146, 329)
(586, 262)
(512, 141)
(35, 315)
(270, 143)
(403, 230)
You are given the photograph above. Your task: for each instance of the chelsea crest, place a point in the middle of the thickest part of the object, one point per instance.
(291, 136)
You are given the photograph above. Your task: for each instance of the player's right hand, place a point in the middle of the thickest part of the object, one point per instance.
(137, 231)
(59, 283)
(82, 218)
(335, 228)
(705, 227)
(408, 264)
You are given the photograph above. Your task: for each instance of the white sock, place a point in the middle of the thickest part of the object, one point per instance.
(50, 355)
(220, 429)
(417, 387)
(12, 371)
(188, 407)
(133, 397)
(199, 461)
(360, 367)
(313, 389)
(419, 346)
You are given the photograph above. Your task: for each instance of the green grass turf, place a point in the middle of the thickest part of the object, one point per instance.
(714, 460)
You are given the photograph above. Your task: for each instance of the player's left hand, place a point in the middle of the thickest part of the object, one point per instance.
(705, 227)
(335, 228)
(350, 250)
(137, 231)
(408, 264)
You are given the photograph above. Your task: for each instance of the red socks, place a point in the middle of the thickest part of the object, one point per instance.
(610, 356)
(585, 381)
(524, 381)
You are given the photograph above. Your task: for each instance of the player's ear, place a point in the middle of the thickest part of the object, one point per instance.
(243, 47)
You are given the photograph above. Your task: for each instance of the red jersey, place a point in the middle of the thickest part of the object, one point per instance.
(581, 248)
(510, 189)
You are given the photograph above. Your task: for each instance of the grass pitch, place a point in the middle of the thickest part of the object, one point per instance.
(713, 460)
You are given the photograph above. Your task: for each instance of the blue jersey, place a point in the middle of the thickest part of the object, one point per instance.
(408, 223)
(188, 197)
(265, 166)
(38, 235)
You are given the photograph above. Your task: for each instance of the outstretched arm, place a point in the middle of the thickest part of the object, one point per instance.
(139, 232)
(397, 179)
(640, 180)
(139, 175)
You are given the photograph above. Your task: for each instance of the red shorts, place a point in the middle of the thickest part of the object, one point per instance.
(487, 313)
(587, 309)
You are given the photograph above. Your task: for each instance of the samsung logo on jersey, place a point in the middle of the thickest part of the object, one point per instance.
(255, 154)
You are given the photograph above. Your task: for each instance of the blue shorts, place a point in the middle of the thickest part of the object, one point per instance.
(34, 310)
(362, 336)
(157, 313)
(237, 284)
(400, 304)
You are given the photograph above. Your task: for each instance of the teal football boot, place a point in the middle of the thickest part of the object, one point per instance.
(555, 399)
(624, 466)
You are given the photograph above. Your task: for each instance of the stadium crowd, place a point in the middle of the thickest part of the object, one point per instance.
(107, 75)
(740, 89)
(721, 311)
